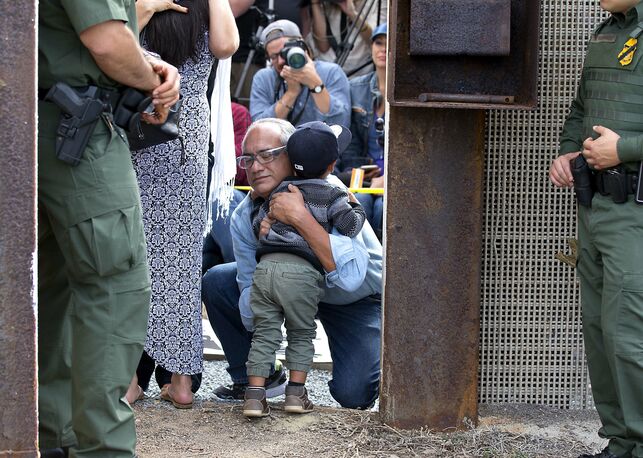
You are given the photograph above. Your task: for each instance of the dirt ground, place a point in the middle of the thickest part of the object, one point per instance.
(217, 429)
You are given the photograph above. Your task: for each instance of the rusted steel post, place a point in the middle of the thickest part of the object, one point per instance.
(432, 267)
(19, 427)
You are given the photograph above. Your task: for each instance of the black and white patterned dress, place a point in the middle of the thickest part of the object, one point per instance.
(174, 214)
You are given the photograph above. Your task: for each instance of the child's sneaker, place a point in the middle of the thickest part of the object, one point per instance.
(255, 404)
(297, 400)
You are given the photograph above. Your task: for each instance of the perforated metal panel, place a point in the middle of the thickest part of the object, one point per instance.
(531, 343)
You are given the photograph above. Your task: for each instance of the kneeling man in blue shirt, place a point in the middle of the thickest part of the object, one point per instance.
(350, 310)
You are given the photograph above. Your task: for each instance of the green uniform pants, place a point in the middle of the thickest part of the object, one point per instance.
(611, 272)
(285, 289)
(93, 293)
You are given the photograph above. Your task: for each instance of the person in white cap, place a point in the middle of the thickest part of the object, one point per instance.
(296, 87)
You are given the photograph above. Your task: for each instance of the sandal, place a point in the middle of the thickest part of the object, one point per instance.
(166, 396)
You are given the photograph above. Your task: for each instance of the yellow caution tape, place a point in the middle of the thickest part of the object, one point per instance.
(353, 190)
(367, 190)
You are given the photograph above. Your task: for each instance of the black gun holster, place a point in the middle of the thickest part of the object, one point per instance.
(583, 181)
(81, 108)
(616, 182)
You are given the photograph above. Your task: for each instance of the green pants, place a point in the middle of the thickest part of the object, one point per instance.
(93, 293)
(611, 272)
(285, 289)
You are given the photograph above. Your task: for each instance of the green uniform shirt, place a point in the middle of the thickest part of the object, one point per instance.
(61, 54)
(610, 93)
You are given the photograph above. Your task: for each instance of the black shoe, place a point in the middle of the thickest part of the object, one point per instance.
(235, 392)
(603, 454)
(275, 386)
(276, 383)
(60, 452)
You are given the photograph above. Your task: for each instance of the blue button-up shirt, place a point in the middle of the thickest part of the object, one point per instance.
(263, 101)
(358, 261)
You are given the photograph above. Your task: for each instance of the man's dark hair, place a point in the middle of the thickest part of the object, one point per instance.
(175, 36)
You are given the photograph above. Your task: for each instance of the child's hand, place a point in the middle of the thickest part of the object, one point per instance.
(265, 226)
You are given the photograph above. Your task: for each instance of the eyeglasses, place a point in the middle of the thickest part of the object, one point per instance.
(263, 157)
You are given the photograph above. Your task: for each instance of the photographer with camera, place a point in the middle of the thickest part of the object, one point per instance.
(366, 150)
(296, 87)
(251, 16)
(341, 32)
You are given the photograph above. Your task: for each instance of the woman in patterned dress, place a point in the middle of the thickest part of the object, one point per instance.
(172, 180)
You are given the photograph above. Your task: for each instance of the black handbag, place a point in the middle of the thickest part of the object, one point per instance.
(140, 134)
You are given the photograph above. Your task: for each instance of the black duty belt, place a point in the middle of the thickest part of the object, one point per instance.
(108, 96)
(613, 181)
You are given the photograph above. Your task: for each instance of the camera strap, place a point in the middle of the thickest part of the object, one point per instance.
(295, 119)
(281, 84)
(279, 81)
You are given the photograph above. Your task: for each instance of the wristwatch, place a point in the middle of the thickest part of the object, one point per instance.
(317, 89)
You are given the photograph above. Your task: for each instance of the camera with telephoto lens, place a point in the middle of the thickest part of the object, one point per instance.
(294, 53)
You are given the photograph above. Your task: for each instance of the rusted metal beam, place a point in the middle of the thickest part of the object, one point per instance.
(440, 47)
(18, 398)
(460, 27)
(432, 274)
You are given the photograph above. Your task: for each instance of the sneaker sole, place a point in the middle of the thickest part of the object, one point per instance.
(255, 413)
(297, 409)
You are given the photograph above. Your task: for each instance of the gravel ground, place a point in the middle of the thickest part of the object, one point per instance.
(218, 429)
(215, 374)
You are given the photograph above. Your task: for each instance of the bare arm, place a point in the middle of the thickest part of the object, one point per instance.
(348, 7)
(320, 34)
(239, 7)
(116, 52)
(145, 9)
(287, 102)
(224, 36)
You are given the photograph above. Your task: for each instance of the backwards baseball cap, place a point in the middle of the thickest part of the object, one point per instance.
(315, 145)
(379, 30)
(278, 29)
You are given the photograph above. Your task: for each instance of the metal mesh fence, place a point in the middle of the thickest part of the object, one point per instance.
(531, 345)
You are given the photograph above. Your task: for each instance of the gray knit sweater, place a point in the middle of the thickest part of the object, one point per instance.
(328, 204)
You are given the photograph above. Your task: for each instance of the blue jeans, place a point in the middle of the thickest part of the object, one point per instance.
(217, 244)
(353, 330)
(220, 231)
(373, 205)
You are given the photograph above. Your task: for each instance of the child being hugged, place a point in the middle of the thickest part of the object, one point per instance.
(287, 284)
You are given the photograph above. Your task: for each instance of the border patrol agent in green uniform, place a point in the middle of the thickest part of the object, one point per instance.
(605, 128)
(93, 279)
